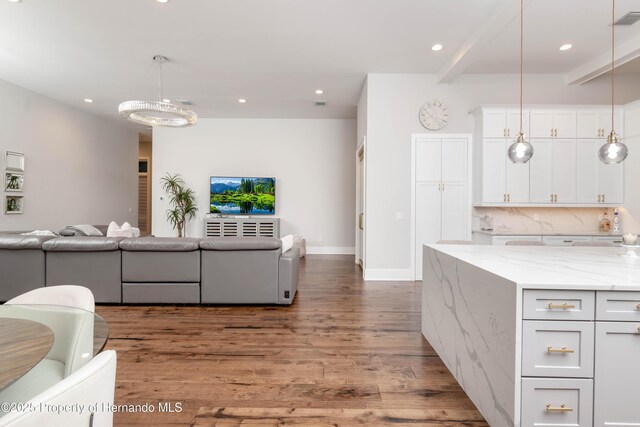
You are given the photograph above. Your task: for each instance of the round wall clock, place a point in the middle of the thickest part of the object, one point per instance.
(433, 115)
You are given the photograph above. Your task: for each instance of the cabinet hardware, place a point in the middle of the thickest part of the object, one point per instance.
(508, 132)
(638, 329)
(564, 306)
(443, 186)
(599, 198)
(555, 133)
(568, 241)
(552, 198)
(504, 197)
(604, 198)
(638, 307)
(551, 132)
(508, 197)
(361, 221)
(561, 408)
(559, 350)
(504, 132)
(555, 198)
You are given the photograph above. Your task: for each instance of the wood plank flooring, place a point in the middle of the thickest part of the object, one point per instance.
(345, 353)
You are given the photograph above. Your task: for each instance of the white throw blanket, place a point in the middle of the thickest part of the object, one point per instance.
(287, 243)
(40, 233)
(88, 230)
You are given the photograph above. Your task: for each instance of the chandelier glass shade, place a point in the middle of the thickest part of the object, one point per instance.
(614, 150)
(158, 113)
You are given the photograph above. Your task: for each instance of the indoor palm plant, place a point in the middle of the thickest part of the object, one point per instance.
(183, 200)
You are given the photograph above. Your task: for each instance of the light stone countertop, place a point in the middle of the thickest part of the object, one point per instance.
(553, 267)
(503, 232)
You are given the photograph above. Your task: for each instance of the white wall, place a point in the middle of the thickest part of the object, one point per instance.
(80, 168)
(631, 213)
(393, 101)
(312, 161)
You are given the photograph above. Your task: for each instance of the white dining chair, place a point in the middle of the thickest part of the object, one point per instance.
(73, 336)
(93, 384)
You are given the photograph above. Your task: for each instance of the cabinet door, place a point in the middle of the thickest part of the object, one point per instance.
(540, 170)
(541, 123)
(588, 124)
(513, 123)
(587, 190)
(455, 211)
(563, 175)
(610, 182)
(428, 218)
(494, 161)
(616, 374)
(494, 123)
(428, 159)
(454, 160)
(565, 124)
(517, 182)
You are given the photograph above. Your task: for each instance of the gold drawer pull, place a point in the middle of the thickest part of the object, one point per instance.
(560, 350)
(638, 307)
(562, 408)
(563, 306)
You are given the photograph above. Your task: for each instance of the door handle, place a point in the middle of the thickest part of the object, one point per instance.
(361, 221)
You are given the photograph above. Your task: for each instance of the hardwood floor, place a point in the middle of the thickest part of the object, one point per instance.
(345, 353)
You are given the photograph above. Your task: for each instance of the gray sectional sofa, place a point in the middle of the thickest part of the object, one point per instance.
(217, 270)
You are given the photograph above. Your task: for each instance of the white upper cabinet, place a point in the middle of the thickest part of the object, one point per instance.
(553, 123)
(564, 170)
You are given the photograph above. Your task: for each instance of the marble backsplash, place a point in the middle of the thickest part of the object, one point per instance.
(544, 220)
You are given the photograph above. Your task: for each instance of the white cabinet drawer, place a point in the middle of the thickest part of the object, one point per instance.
(553, 402)
(558, 305)
(615, 240)
(620, 306)
(502, 240)
(564, 240)
(557, 349)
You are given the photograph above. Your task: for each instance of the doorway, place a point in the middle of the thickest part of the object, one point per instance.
(360, 203)
(145, 149)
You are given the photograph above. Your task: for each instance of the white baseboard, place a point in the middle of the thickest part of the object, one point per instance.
(384, 274)
(331, 250)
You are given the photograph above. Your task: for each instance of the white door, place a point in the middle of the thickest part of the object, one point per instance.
(588, 124)
(428, 219)
(564, 170)
(517, 182)
(428, 159)
(513, 123)
(610, 182)
(494, 158)
(454, 160)
(540, 169)
(455, 212)
(617, 374)
(564, 123)
(541, 122)
(587, 189)
(494, 123)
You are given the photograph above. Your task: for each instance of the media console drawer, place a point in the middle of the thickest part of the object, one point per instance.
(558, 305)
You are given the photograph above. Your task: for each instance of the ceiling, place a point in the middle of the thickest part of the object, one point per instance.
(276, 53)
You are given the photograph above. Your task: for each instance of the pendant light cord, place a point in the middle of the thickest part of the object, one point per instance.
(613, 59)
(521, 55)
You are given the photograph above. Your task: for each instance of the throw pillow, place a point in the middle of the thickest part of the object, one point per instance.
(115, 230)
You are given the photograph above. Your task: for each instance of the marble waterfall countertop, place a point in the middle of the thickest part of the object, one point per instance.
(553, 267)
(509, 232)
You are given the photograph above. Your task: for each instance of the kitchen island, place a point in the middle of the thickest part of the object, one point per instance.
(538, 335)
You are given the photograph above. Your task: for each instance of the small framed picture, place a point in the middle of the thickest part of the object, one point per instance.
(13, 204)
(13, 182)
(14, 161)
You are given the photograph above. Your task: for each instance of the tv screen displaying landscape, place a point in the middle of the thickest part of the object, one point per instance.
(243, 196)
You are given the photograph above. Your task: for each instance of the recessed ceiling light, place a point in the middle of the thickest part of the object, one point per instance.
(162, 1)
(242, 100)
(15, 1)
(436, 47)
(166, 100)
(566, 46)
(87, 100)
(319, 91)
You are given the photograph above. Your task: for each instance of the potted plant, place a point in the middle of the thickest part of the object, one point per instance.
(183, 200)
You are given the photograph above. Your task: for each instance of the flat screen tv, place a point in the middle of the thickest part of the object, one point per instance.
(242, 195)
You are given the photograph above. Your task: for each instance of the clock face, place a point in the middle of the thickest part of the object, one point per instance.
(433, 115)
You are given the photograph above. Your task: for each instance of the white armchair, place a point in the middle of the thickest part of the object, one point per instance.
(92, 384)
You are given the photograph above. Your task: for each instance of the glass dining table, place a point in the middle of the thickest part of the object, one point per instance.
(32, 332)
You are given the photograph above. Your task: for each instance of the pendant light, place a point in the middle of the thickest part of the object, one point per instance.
(614, 151)
(158, 113)
(521, 151)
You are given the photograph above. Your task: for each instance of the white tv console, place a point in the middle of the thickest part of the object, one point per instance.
(241, 226)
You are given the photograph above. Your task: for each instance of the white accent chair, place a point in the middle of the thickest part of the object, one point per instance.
(91, 384)
(73, 332)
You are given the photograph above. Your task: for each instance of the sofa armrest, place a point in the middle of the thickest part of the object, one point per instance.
(288, 275)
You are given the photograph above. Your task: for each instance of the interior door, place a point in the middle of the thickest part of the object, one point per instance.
(361, 213)
(564, 173)
(540, 171)
(428, 218)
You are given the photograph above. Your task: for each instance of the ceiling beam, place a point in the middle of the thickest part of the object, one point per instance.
(625, 52)
(501, 16)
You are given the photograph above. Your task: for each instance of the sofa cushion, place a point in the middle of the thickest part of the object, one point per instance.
(160, 244)
(18, 241)
(240, 244)
(82, 244)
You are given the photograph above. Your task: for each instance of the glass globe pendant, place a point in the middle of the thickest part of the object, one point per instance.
(614, 151)
(158, 113)
(520, 151)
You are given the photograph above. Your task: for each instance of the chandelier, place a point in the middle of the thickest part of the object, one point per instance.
(158, 113)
